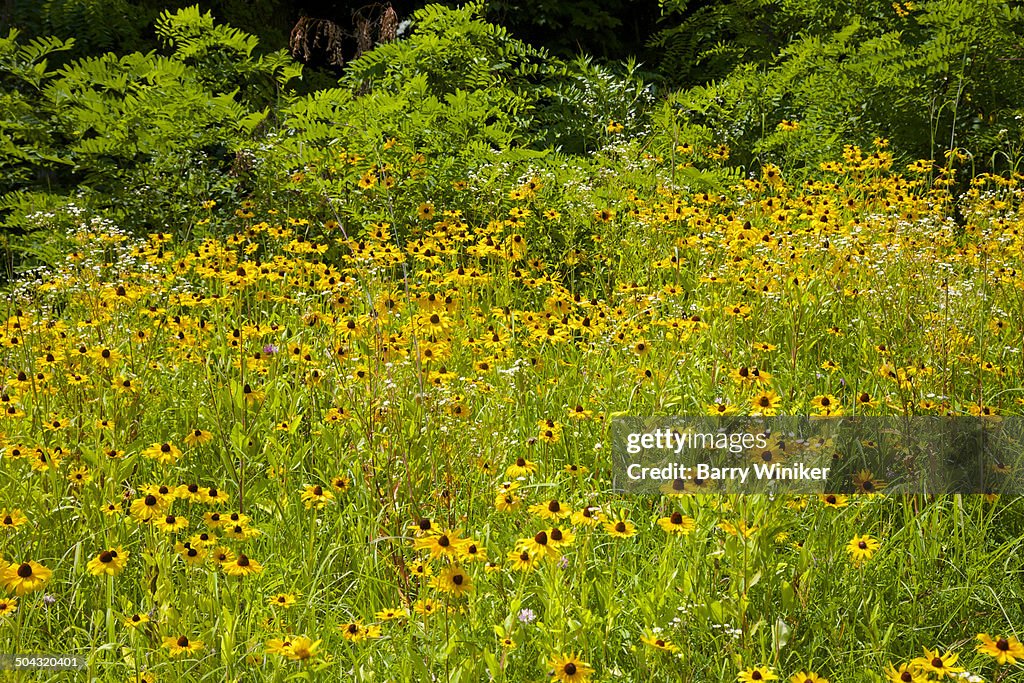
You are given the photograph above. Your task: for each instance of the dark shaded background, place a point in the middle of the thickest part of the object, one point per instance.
(606, 29)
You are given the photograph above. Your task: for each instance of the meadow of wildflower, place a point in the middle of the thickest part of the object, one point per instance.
(352, 424)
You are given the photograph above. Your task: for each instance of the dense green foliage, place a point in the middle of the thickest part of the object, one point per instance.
(930, 76)
(144, 136)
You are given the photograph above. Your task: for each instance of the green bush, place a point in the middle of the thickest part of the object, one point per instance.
(930, 76)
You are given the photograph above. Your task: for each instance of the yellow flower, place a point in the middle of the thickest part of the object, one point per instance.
(756, 674)
(941, 665)
(316, 496)
(24, 578)
(8, 606)
(906, 673)
(283, 600)
(521, 468)
(182, 645)
(136, 620)
(454, 580)
(833, 500)
(765, 403)
(807, 677)
(11, 519)
(569, 668)
(242, 566)
(392, 614)
(198, 437)
(676, 523)
(170, 523)
(620, 528)
(110, 562)
(659, 643)
(165, 453)
(355, 631)
(301, 648)
(1004, 649)
(861, 548)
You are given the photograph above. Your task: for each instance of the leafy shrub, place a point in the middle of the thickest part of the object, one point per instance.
(931, 76)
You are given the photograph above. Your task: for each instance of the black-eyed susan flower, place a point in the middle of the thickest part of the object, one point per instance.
(521, 468)
(658, 643)
(1004, 649)
(301, 648)
(757, 674)
(864, 481)
(242, 565)
(316, 495)
(11, 519)
(833, 500)
(620, 528)
(938, 664)
(455, 581)
(551, 509)
(136, 620)
(677, 523)
(522, 560)
(807, 677)
(25, 577)
(569, 668)
(861, 548)
(165, 453)
(442, 543)
(282, 600)
(587, 516)
(109, 562)
(539, 545)
(905, 673)
(765, 403)
(181, 645)
(8, 606)
(355, 631)
(198, 437)
(391, 614)
(170, 524)
(190, 554)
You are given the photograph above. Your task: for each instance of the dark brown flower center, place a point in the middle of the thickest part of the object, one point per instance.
(183, 642)
(570, 669)
(25, 570)
(1003, 644)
